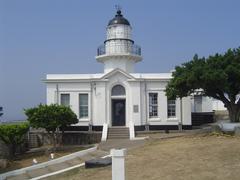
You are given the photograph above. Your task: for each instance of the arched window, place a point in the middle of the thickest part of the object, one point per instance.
(118, 90)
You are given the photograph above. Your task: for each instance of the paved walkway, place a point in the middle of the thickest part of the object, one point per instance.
(120, 143)
(59, 166)
(103, 150)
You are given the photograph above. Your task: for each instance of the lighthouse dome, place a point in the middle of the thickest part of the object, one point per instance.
(118, 19)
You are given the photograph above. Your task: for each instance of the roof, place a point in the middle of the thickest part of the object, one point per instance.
(73, 76)
(118, 19)
(102, 76)
(152, 75)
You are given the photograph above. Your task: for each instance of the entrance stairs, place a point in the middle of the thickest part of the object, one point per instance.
(118, 132)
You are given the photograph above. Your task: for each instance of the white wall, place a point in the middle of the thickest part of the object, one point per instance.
(207, 104)
(119, 62)
(99, 104)
(218, 105)
(74, 89)
(162, 119)
(99, 94)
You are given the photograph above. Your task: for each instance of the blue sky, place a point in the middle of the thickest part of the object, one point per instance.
(41, 37)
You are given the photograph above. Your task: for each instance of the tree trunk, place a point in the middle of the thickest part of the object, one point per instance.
(54, 140)
(234, 113)
(12, 150)
(62, 136)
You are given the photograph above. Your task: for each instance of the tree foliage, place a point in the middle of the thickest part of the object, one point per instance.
(218, 76)
(13, 135)
(51, 117)
(1, 111)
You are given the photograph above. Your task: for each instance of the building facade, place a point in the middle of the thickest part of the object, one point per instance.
(119, 96)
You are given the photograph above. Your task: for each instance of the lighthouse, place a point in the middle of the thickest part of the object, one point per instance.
(119, 101)
(119, 50)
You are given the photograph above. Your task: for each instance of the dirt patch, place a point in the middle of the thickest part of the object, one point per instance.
(25, 160)
(184, 158)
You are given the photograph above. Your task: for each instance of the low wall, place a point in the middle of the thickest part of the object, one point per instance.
(221, 115)
(199, 118)
(38, 138)
(3, 150)
(82, 137)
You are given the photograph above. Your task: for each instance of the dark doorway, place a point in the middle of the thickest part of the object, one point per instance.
(118, 112)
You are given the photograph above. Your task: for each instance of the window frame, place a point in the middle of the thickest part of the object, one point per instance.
(68, 94)
(84, 105)
(155, 105)
(171, 108)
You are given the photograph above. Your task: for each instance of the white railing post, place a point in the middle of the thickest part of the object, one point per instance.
(131, 130)
(104, 132)
(118, 164)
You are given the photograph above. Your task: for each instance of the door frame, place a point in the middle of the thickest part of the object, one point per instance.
(125, 113)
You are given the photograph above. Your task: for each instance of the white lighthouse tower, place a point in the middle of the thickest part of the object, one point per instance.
(119, 50)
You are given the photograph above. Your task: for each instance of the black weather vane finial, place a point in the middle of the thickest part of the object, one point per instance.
(118, 7)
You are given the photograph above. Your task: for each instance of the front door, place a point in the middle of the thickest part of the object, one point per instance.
(118, 112)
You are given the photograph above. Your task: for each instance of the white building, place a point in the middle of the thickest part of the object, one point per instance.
(119, 96)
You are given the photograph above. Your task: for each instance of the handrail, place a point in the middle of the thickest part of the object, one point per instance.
(119, 49)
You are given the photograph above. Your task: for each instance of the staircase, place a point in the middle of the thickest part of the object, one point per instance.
(118, 132)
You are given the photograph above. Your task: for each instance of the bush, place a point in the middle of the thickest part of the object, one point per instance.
(13, 135)
(52, 118)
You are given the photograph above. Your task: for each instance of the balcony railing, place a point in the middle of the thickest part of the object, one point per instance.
(119, 49)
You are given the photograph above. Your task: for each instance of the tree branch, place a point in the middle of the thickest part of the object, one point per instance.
(223, 98)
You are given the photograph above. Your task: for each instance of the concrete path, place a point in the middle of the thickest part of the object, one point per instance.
(120, 143)
(60, 166)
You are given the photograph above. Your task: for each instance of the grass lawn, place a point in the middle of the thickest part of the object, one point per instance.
(25, 160)
(199, 157)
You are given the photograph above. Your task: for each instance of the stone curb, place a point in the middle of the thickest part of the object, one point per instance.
(44, 164)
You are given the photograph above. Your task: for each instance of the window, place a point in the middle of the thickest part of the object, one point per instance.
(153, 105)
(171, 108)
(65, 99)
(83, 105)
(118, 90)
(197, 103)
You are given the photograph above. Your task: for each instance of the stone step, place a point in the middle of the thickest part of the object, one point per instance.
(119, 137)
(118, 128)
(118, 133)
(123, 132)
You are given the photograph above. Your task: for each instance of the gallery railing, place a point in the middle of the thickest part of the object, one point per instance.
(118, 49)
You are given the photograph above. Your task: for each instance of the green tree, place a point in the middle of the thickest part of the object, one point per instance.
(1, 111)
(218, 76)
(51, 118)
(13, 135)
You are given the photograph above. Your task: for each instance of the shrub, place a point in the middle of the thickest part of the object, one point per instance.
(13, 135)
(51, 118)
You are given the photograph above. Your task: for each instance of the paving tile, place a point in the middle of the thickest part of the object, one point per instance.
(19, 177)
(59, 166)
(38, 172)
(87, 157)
(74, 161)
(99, 153)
